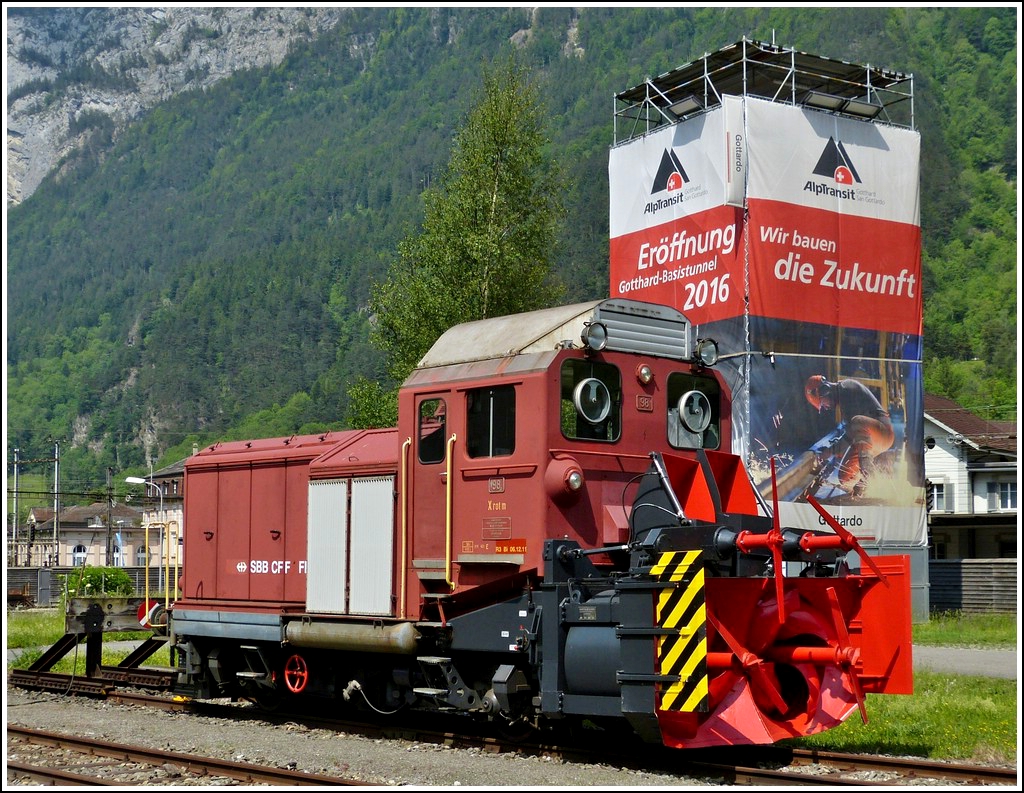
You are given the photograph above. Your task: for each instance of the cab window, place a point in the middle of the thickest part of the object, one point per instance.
(591, 404)
(694, 418)
(431, 431)
(491, 421)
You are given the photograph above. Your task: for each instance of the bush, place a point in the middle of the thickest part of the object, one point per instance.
(89, 581)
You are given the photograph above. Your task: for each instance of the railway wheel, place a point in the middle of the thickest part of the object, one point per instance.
(296, 674)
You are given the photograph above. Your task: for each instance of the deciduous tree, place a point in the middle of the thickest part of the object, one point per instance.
(486, 243)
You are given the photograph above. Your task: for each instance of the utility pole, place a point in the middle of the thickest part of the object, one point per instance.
(14, 551)
(56, 503)
(110, 522)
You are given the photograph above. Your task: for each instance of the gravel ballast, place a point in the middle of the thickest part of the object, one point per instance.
(320, 751)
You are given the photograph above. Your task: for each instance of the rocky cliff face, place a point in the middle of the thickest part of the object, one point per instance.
(76, 75)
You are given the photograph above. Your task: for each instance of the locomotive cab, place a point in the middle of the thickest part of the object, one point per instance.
(527, 430)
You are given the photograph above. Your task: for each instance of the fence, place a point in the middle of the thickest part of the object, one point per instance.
(973, 585)
(41, 586)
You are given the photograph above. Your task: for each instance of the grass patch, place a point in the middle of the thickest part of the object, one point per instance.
(33, 627)
(956, 629)
(948, 717)
(35, 630)
(74, 662)
(42, 627)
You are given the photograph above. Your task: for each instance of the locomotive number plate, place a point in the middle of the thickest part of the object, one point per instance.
(645, 403)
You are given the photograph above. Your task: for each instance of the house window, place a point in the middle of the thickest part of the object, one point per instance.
(1008, 495)
(937, 496)
(1002, 496)
(78, 554)
(140, 556)
(937, 547)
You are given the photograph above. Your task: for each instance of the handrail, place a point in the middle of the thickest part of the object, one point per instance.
(146, 541)
(449, 483)
(164, 563)
(177, 559)
(403, 489)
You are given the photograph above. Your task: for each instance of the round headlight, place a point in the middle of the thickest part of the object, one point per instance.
(707, 352)
(644, 373)
(594, 336)
(574, 481)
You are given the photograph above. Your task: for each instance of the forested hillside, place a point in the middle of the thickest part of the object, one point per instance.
(206, 274)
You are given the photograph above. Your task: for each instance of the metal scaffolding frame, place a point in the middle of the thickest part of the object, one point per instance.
(766, 71)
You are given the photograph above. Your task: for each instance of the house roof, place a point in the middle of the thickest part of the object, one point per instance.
(996, 436)
(85, 515)
(41, 514)
(174, 469)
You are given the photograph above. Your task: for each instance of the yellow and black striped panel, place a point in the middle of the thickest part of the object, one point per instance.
(684, 652)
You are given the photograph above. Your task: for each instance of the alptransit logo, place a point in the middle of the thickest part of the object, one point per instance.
(835, 163)
(671, 178)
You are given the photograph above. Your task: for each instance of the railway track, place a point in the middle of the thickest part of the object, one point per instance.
(738, 765)
(906, 769)
(834, 769)
(51, 758)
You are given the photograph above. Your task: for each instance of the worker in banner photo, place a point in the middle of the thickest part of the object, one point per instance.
(865, 429)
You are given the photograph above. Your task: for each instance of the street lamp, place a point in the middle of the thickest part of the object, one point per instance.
(138, 480)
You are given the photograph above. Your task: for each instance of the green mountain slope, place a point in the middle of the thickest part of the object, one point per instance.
(208, 272)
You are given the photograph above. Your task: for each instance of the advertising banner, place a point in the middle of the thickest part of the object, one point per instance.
(834, 220)
(835, 293)
(792, 237)
(674, 240)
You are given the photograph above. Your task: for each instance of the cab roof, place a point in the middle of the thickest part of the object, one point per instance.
(632, 326)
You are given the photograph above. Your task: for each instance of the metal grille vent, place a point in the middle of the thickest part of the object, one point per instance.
(645, 328)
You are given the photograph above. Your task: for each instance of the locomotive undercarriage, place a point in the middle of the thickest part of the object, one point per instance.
(432, 678)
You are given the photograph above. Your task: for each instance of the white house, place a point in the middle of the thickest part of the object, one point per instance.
(971, 467)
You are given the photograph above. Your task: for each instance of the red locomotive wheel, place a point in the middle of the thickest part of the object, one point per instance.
(296, 674)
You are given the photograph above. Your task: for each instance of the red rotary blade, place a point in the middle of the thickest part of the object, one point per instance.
(849, 654)
(752, 665)
(849, 541)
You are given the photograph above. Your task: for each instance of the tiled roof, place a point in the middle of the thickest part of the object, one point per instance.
(173, 469)
(999, 436)
(84, 515)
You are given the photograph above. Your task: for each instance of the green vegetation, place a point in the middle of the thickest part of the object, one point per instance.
(28, 628)
(947, 717)
(34, 630)
(957, 629)
(74, 661)
(214, 263)
(89, 581)
(488, 233)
